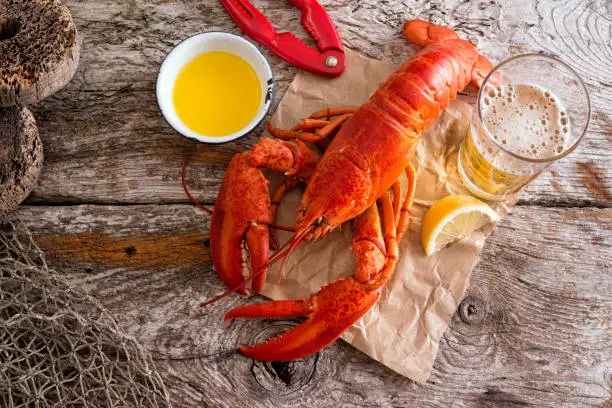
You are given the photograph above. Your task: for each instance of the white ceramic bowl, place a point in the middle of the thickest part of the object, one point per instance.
(200, 44)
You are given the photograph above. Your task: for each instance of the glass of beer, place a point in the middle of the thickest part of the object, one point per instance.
(532, 111)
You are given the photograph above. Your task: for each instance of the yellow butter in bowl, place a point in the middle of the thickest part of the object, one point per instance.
(217, 94)
(215, 87)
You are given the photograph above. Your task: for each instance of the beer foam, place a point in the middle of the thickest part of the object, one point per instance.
(526, 120)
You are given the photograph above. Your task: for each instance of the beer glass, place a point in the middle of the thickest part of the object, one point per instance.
(532, 110)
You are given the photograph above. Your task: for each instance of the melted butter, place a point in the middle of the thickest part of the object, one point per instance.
(217, 94)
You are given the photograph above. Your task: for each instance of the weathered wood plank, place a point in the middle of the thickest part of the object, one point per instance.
(534, 330)
(114, 147)
(106, 142)
(536, 327)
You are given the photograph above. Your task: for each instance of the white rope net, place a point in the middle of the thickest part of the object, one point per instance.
(58, 346)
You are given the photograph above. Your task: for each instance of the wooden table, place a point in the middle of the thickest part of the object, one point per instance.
(536, 326)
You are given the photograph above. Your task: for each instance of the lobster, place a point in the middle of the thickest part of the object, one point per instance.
(364, 153)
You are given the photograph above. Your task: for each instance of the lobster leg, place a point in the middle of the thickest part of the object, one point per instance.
(333, 125)
(278, 194)
(397, 192)
(293, 134)
(295, 160)
(275, 155)
(331, 112)
(330, 130)
(309, 137)
(368, 245)
(390, 234)
(404, 216)
(310, 124)
(338, 305)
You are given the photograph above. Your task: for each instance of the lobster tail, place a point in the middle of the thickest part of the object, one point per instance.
(423, 33)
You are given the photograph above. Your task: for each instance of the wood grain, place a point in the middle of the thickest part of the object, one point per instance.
(110, 109)
(534, 330)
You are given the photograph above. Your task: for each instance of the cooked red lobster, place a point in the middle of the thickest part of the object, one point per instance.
(371, 147)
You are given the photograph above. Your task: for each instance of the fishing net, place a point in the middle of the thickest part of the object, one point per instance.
(58, 346)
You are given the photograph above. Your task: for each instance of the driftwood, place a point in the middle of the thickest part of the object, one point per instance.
(21, 156)
(536, 326)
(39, 50)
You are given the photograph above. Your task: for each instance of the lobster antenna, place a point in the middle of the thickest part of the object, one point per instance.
(285, 258)
(234, 289)
(282, 228)
(191, 198)
(229, 292)
(282, 252)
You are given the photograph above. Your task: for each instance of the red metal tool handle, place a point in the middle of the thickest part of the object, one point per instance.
(318, 23)
(290, 48)
(330, 61)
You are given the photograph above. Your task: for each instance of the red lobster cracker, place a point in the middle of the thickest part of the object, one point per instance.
(370, 149)
(328, 60)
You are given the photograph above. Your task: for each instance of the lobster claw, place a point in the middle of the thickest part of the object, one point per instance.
(243, 211)
(330, 312)
(337, 306)
(240, 218)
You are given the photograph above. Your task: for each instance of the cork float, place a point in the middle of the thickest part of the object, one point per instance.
(40, 48)
(39, 54)
(21, 156)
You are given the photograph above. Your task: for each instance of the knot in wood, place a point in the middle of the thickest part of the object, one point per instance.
(472, 310)
(283, 377)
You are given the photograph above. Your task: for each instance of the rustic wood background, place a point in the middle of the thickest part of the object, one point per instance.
(536, 326)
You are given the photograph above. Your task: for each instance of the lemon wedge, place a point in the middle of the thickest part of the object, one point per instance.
(452, 218)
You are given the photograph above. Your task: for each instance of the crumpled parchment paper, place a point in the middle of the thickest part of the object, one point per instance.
(403, 330)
